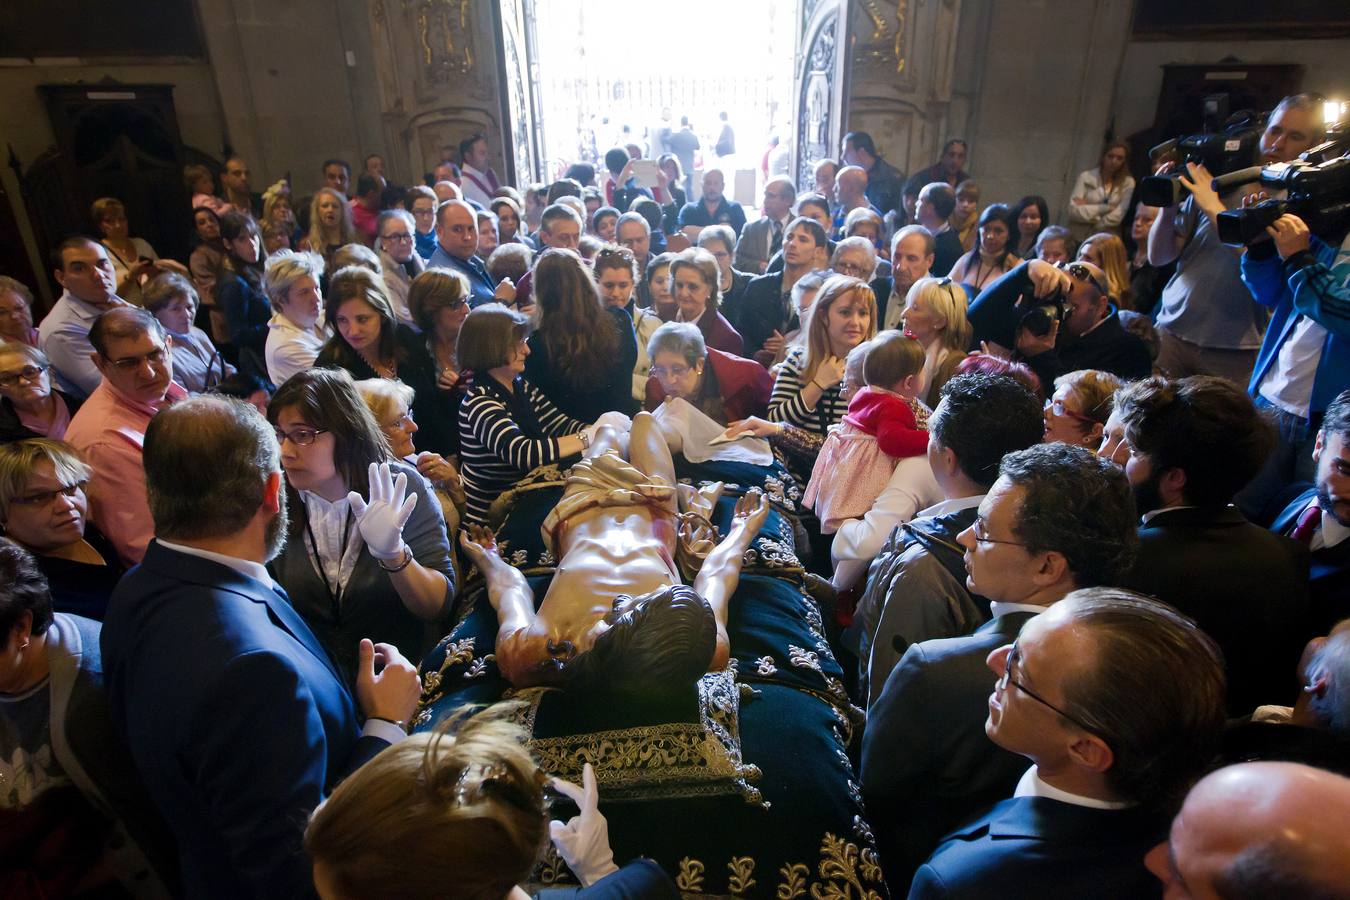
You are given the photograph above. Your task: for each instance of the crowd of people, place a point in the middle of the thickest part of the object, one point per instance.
(1075, 503)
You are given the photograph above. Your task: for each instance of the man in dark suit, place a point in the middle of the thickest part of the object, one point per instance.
(1318, 516)
(1057, 519)
(766, 314)
(1118, 702)
(912, 251)
(1193, 443)
(234, 714)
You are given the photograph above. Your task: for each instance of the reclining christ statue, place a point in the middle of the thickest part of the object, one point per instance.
(617, 613)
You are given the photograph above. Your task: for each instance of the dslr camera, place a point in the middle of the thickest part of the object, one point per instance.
(1233, 147)
(1039, 314)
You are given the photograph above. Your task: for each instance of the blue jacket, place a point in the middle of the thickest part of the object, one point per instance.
(482, 289)
(234, 715)
(1313, 284)
(1035, 847)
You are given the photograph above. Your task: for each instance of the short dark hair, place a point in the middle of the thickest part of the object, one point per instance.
(813, 227)
(615, 159)
(466, 145)
(1336, 420)
(601, 213)
(70, 243)
(1147, 649)
(650, 210)
(207, 459)
(583, 174)
(327, 399)
(366, 183)
(662, 646)
(1076, 504)
(982, 418)
(336, 162)
(487, 336)
(952, 142)
(123, 322)
(811, 199)
(241, 385)
(1205, 426)
(861, 140)
(941, 195)
(23, 588)
(563, 187)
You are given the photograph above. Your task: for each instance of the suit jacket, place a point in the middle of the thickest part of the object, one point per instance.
(927, 764)
(1035, 847)
(1247, 588)
(1329, 567)
(234, 715)
(641, 879)
(755, 246)
(763, 310)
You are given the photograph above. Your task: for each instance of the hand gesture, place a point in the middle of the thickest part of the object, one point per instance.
(753, 425)
(830, 372)
(775, 342)
(1047, 278)
(505, 292)
(1201, 185)
(437, 469)
(1030, 345)
(381, 520)
(448, 379)
(583, 842)
(1290, 234)
(480, 546)
(751, 510)
(392, 692)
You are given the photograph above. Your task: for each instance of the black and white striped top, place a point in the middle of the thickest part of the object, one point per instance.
(495, 450)
(786, 404)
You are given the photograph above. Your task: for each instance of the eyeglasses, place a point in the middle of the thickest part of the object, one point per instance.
(1058, 408)
(1012, 662)
(1083, 273)
(423, 213)
(132, 363)
(27, 373)
(401, 237)
(848, 268)
(403, 421)
(662, 372)
(981, 529)
(42, 498)
(300, 437)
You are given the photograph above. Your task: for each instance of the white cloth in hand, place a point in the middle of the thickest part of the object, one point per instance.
(583, 842)
(697, 430)
(381, 519)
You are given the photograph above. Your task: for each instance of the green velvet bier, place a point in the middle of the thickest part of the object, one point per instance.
(741, 786)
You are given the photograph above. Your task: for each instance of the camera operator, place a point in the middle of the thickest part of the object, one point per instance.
(1207, 322)
(1090, 335)
(1305, 358)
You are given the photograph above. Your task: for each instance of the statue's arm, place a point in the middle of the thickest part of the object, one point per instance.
(721, 571)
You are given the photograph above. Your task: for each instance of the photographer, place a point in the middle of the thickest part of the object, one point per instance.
(1305, 358)
(1007, 314)
(1206, 322)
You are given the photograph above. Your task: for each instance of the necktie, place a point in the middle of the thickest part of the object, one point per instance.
(1307, 524)
(777, 243)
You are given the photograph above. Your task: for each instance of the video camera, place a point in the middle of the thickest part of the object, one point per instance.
(1232, 148)
(1316, 186)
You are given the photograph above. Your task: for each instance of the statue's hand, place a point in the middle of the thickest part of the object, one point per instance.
(479, 545)
(751, 510)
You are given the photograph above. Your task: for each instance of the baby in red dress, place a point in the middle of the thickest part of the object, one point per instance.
(885, 423)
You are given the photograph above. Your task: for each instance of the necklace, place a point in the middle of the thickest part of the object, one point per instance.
(390, 371)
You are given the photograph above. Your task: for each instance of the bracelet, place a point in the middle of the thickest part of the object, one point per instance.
(585, 440)
(407, 561)
(818, 386)
(394, 722)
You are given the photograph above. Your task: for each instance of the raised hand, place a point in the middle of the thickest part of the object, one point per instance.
(583, 842)
(381, 519)
(830, 372)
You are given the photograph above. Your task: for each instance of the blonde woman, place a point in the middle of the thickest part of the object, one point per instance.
(1107, 252)
(330, 225)
(935, 315)
(1078, 410)
(1102, 195)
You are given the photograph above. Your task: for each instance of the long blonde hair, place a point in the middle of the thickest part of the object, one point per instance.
(319, 242)
(817, 327)
(442, 814)
(1111, 249)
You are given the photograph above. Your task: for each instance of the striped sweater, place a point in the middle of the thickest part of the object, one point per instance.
(495, 450)
(786, 404)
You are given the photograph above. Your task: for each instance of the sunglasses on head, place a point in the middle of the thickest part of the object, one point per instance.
(1083, 273)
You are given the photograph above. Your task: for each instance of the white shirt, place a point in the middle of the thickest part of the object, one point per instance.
(470, 188)
(1289, 383)
(290, 348)
(999, 608)
(912, 487)
(947, 507)
(1148, 516)
(1032, 785)
(1331, 532)
(336, 537)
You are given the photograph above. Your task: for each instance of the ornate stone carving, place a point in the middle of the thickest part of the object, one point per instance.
(883, 51)
(445, 37)
(815, 101)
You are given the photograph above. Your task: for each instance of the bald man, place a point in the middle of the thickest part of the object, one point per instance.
(851, 185)
(1259, 830)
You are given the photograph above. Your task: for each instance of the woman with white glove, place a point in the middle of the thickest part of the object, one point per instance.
(461, 813)
(366, 554)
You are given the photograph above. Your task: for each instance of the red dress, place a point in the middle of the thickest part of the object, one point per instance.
(860, 454)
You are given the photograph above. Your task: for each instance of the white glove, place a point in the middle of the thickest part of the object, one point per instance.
(583, 842)
(381, 520)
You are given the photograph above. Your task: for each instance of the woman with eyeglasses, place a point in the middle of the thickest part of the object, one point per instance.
(722, 386)
(1078, 410)
(370, 343)
(29, 406)
(399, 262)
(935, 314)
(366, 553)
(43, 507)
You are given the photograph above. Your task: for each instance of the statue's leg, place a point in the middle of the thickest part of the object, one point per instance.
(607, 438)
(649, 452)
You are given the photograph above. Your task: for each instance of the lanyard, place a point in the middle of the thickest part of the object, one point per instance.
(334, 591)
